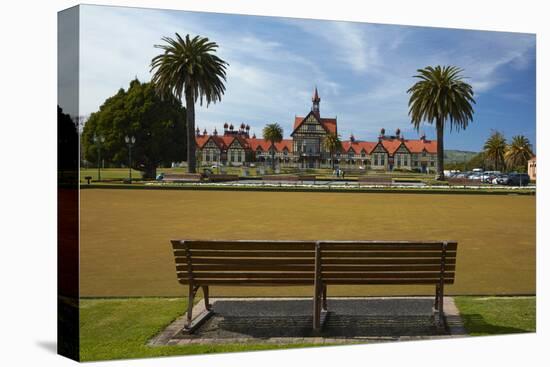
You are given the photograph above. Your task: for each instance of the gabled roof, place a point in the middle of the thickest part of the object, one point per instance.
(285, 143)
(392, 145)
(358, 146)
(256, 143)
(329, 124)
(417, 146)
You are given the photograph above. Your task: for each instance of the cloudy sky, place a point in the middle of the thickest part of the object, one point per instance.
(362, 70)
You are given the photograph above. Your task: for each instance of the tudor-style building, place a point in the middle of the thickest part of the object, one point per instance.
(305, 148)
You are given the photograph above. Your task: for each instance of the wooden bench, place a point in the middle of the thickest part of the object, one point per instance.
(200, 264)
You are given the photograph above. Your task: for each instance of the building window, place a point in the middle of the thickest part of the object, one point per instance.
(382, 160)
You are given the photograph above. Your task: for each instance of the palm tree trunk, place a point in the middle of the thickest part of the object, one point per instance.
(190, 120)
(273, 157)
(439, 127)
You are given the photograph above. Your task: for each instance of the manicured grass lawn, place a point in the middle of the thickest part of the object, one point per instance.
(120, 328)
(122, 173)
(125, 248)
(497, 315)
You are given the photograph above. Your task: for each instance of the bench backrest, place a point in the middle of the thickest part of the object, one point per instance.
(387, 262)
(245, 262)
(294, 262)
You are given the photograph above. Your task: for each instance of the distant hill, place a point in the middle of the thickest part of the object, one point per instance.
(458, 156)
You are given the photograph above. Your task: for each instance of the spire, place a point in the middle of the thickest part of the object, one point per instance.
(316, 101)
(315, 97)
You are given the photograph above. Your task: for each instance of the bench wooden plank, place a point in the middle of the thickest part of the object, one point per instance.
(392, 254)
(240, 275)
(385, 268)
(241, 267)
(388, 275)
(386, 246)
(259, 261)
(272, 246)
(248, 253)
(383, 281)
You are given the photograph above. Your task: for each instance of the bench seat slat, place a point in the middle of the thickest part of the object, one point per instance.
(247, 245)
(392, 254)
(250, 282)
(389, 262)
(244, 267)
(259, 261)
(385, 281)
(386, 246)
(237, 275)
(394, 268)
(388, 275)
(247, 253)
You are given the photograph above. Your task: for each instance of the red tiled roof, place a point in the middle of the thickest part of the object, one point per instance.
(201, 140)
(285, 143)
(254, 143)
(391, 145)
(417, 146)
(328, 123)
(358, 146)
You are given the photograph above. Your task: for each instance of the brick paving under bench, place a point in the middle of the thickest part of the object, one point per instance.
(289, 321)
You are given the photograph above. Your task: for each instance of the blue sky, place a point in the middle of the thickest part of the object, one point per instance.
(362, 70)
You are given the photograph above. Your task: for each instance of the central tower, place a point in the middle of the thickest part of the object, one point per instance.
(315, 105)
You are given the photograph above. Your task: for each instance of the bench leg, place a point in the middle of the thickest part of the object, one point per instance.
(440, 311)
(191, 299)
(436, 300)
(316, 309)
(324, 297)
(207, 304)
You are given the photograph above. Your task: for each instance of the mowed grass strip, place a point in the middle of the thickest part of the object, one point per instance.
(497, 315)
(121, 328)
(125, 248)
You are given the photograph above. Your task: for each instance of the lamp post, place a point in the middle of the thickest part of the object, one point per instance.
(98, 140)
(130, 141)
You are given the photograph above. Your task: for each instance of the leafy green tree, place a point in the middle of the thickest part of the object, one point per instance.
(518, 153)
(441, 96)
(494, 149)
(157, 125)
(274, 134)
(189, 67)
(332, 143)
(67, 142)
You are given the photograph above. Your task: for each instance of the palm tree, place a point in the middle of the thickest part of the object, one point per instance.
(189, 67)
(518, 152)
(494, 150)
(332, 143)
(274, 134)
(442, 96)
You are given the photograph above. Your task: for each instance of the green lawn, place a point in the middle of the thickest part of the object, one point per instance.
(120, 328)
(497, 315)
(125, 248)
(122, 173)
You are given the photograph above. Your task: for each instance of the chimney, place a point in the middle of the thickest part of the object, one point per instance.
(398, 133)
(198, 131)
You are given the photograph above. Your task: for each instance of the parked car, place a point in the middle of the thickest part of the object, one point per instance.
(518, 179)
(501, 179)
